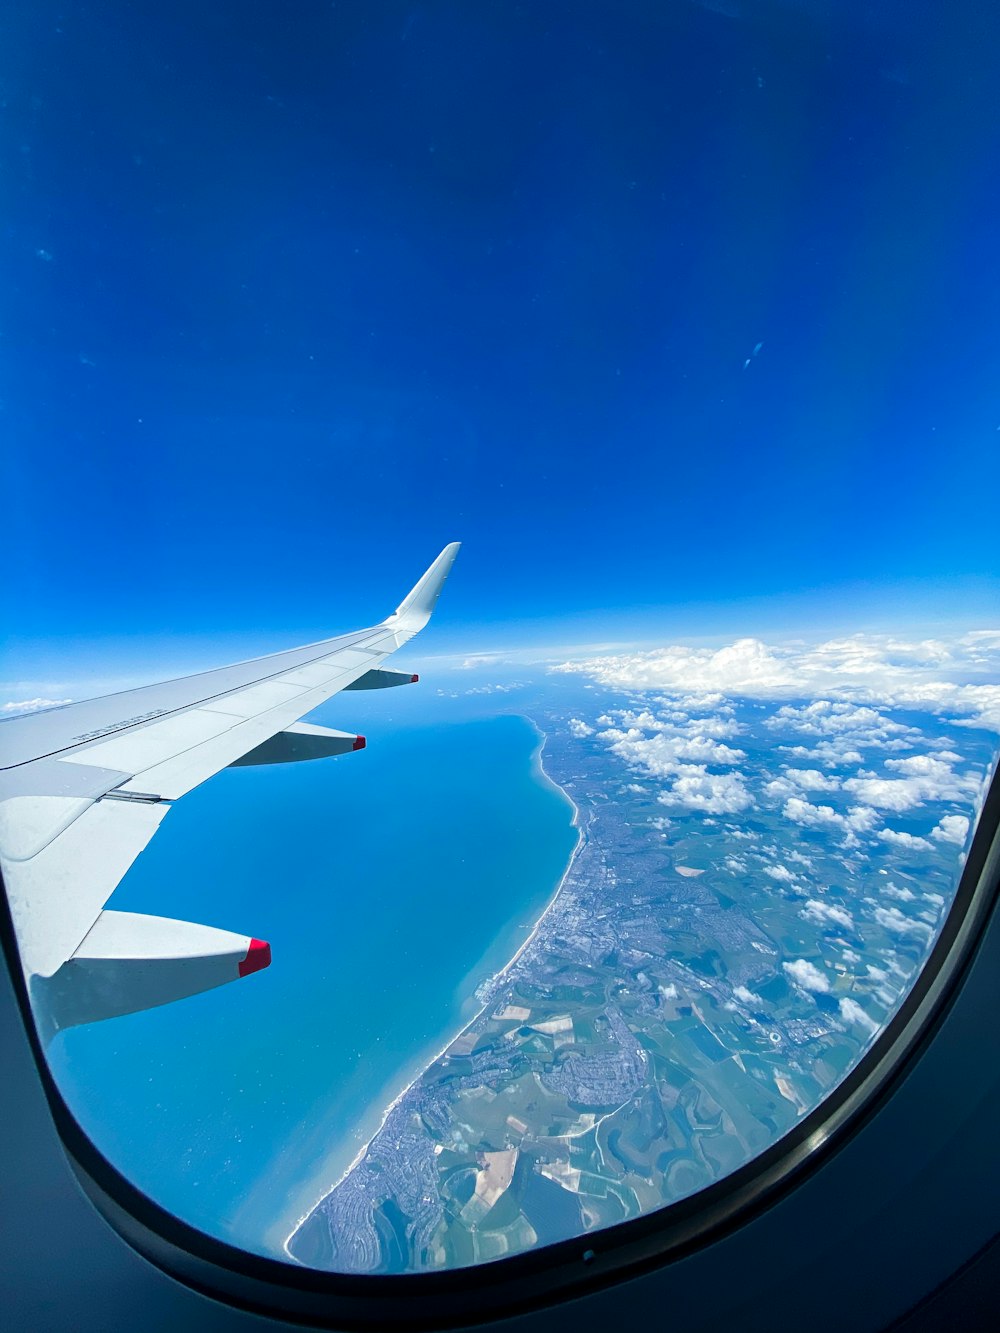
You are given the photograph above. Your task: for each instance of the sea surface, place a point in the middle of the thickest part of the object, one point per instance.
(390, 883)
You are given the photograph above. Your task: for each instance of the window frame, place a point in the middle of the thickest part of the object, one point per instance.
(565, 1269)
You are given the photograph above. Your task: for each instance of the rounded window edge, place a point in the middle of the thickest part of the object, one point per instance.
(563, 1270)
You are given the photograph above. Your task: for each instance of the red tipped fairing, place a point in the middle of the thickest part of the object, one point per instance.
(258, 957)
(359, 743)
(129, 962)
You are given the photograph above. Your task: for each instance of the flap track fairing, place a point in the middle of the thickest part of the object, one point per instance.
(301, 741)
(381, 680)
(129, 961)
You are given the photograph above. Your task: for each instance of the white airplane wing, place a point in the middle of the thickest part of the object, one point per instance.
(83, 788)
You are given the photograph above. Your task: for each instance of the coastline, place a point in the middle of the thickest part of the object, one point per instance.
(483, 993)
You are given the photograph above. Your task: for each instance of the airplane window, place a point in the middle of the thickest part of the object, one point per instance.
(682, 318)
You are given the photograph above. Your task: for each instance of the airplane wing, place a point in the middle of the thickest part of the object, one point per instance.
(83, 788)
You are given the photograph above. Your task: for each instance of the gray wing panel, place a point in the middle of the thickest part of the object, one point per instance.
(23, 739)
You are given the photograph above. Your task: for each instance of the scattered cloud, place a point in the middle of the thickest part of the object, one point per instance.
(951, 828)
(661, 754)
(795, 780)
(891, 918)
(834, 754)
(483, 659)
(680, 751)
(579, 728)
(714, 793)
(906, 842)
(851, 1012)
(903, 895)
(807, 976)
(922, 778)
(958, 677)
(811, 779)
(856, 820)
(823, 913)
(780, 873)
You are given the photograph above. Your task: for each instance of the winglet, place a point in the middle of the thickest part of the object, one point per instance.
(414, 610)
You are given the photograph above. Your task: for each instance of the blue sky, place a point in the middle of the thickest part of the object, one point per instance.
(288, 305)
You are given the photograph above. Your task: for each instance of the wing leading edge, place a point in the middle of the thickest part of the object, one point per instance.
(83, 789)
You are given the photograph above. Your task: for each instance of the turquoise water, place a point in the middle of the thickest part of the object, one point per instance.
(389, 883)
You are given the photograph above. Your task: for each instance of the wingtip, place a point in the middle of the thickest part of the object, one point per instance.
(419, 603)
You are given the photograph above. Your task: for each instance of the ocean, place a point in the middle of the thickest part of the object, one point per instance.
(389, 883)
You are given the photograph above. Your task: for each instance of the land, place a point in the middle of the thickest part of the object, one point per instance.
(646, 1042)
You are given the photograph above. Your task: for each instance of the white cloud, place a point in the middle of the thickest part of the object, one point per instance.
(924, 778)
(31, 705)
(843, 722)
(906, 842)
(481, 660)
(681, 753)
(951, 828)
(796, 780)
(857, 819)
(834, 754)
(746, 996)
(672, 722)
(959, 677)
(715, 793)
(781, 873)
(807, 976)
(851, 1012)
(822, 913)
(903, 895)
(579, 728)
(891, 918)
(812, 816)
(662, 755)
(811, 779)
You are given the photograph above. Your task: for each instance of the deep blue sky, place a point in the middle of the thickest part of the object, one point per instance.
(293, 295)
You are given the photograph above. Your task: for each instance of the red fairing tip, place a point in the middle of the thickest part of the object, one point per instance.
(414, 678)
(359, 743)
(258, 957)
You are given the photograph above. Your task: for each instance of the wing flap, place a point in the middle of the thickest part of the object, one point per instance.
(55, 896)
